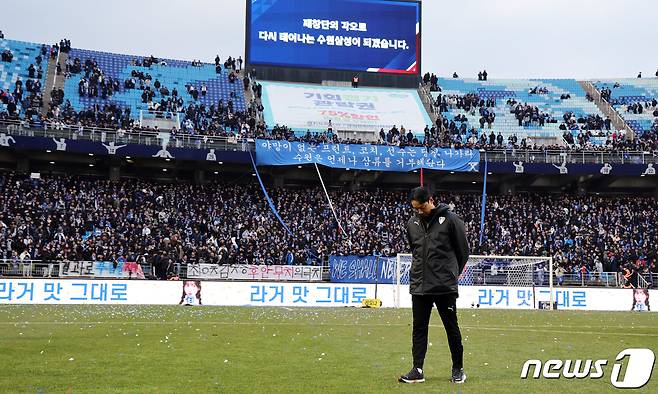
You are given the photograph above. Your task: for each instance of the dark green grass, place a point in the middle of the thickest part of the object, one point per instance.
(167, 349)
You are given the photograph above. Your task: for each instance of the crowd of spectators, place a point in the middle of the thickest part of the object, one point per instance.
(24, 95)
(606, 93)
(649, 138)
(587, 132)
(70, 218)
(469, 138)
(220, 119)
(110, 116)
(538, 90)
(233, 64)
(589, 122)
(7, 56)
(646, 139)
(455, 132)
(615, 141)
(28, 96)
(639, 107)
(528, 115)
(649, 107)
(432, 81)
(64, 45)
(467, 102)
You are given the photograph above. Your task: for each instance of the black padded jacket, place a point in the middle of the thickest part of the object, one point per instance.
(440, 251)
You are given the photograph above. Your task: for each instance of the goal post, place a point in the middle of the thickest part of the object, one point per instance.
(481, 270)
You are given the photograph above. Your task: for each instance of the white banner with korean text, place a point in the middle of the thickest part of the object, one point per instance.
(255, 272)
(76, 269)
(311, 107)
(223, 293)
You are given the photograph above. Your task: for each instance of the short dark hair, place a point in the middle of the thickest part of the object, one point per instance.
(420, 194)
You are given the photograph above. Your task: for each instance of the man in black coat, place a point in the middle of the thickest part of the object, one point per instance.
(439, 246)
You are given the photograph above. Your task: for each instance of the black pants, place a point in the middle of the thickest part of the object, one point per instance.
(422, 310)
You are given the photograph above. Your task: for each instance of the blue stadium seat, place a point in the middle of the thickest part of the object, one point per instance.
(518, 89)
(631, 91)
(175, 74)
(24, 55)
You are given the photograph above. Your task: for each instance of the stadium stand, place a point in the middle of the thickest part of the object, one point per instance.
(114, 90)
(205, 94)
(636, 101)
(518, 109)
(22, 78)
(167, 225)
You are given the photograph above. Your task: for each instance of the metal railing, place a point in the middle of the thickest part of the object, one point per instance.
(501, 278)
(607, 109)
(642, 282)
(44, 269)
(606, 279)
(105, 135)
(164, 120)
(427, 99)
(118, 136)
(56, 61)
(28, 268)
(570, 157)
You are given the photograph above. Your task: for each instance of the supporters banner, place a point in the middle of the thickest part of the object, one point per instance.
(223, 293)
(119, 270)
(101, 269)
(254, 272)
(368, 269)
(361, 35)
(76, 268)
(366, 157)
(311, 107)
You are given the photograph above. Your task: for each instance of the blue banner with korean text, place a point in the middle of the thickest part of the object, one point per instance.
(366, 269)
(366, 157)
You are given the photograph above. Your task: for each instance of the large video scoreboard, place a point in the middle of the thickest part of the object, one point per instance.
(373, 36)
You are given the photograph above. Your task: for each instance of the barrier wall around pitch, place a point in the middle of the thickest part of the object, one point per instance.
(194, 292)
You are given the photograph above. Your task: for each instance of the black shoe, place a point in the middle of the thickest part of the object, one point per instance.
(414, 376)
(458, 375)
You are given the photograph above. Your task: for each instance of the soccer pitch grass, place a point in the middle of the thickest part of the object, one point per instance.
(169, 349)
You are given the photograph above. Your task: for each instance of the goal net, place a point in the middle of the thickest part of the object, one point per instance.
(518, 271)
